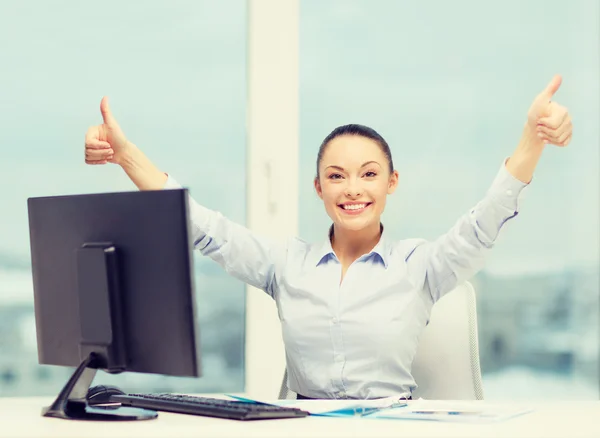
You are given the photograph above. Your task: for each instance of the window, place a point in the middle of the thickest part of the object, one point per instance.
(448, 85)
(176, 76)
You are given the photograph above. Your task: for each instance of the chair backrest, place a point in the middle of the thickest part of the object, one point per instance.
(446, 365)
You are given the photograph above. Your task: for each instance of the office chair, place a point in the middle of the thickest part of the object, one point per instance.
(446, 365)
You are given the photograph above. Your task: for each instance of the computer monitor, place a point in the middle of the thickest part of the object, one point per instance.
(113, 290)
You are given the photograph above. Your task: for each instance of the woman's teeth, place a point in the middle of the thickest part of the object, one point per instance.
(354, 206)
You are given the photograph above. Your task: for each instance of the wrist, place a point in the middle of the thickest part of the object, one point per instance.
(530, 142)
(127, 156)
(523, 161)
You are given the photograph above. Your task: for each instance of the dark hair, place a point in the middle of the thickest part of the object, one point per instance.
(362, 131)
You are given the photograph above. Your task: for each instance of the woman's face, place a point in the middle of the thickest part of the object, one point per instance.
(354, 182)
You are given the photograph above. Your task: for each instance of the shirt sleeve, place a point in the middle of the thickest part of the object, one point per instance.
(457, 255)
(248, 257)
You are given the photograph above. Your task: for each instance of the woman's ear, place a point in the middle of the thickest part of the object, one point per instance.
(318, 187)
(393, 183)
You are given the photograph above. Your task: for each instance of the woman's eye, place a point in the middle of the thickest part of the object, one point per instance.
(335, 176)
(370, 174)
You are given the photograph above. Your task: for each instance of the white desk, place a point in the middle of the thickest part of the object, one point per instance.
(20, 417)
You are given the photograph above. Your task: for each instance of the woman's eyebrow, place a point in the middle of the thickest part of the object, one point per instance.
(369, 162)
(342, 169)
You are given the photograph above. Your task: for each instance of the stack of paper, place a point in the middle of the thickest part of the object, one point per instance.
(397, 408)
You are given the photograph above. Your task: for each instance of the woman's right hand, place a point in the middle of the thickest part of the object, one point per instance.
(105, 143)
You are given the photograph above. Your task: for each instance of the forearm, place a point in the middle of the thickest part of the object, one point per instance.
(138, 167)
(524, 160)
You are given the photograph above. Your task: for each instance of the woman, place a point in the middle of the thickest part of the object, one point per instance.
(353, 307)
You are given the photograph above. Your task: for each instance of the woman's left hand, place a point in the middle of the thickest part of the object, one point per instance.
(550, 121)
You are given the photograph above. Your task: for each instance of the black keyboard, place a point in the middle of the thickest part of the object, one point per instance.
(206, 406)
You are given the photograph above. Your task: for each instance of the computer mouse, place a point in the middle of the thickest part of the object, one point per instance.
(101, 394)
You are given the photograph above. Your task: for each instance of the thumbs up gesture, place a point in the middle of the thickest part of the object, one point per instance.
(105, 143)
(550, 121)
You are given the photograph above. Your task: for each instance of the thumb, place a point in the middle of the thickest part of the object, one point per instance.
(552, 87)
(107, 113)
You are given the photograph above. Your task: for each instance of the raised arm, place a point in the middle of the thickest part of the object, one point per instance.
(244, 255)
(460, 253)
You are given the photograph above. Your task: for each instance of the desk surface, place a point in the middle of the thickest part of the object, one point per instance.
(20, 417)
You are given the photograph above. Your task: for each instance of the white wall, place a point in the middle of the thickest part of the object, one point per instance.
(272, 190)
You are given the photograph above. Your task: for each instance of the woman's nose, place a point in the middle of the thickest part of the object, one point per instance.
(353, 190)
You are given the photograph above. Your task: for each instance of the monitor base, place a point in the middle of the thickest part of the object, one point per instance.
(71, 403)
(81, 411)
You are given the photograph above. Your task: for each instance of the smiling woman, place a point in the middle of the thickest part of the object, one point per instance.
(352, 338)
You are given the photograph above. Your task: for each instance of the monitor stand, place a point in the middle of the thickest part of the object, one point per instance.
(71, 403)
(101, 345)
